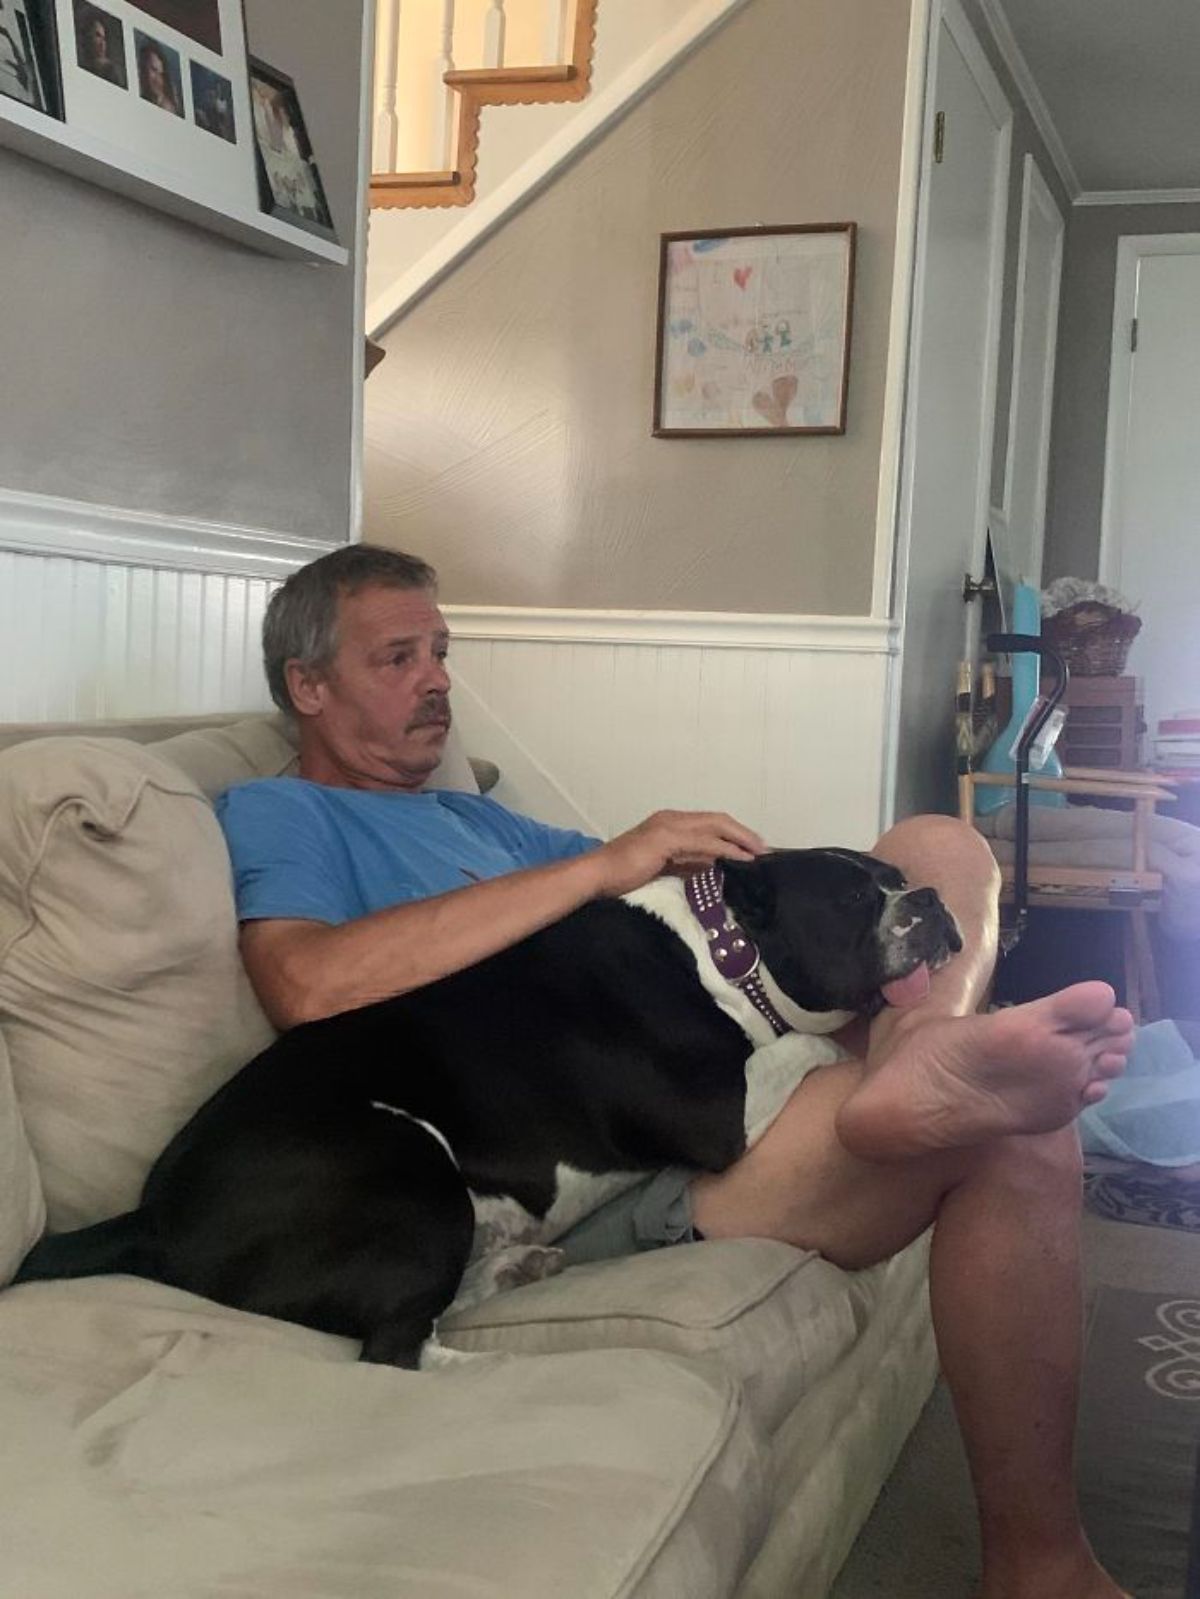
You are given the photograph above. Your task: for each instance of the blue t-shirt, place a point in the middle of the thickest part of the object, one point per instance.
(305, 850)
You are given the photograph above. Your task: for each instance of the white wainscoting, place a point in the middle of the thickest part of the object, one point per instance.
(594, 718)
(780, 721)
(86, 640)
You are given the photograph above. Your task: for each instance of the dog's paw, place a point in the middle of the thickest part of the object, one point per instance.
(528, 1263)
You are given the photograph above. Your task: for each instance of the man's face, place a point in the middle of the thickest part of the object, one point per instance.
(378, 717)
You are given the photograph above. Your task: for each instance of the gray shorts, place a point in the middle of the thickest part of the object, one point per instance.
(651, 1215)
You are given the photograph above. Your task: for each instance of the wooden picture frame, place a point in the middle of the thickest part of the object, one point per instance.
(289, 182)
(754, 330)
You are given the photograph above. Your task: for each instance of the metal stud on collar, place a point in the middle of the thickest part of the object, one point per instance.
(734, 953)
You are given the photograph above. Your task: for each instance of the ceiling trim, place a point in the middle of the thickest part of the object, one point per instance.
(1138, 197)
(1014, 59)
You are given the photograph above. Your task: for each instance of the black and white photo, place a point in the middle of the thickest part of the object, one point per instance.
(20, 71)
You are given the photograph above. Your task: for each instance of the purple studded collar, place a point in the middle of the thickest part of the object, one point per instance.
(734, 953)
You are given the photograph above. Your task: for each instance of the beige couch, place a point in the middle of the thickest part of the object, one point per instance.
(714, 1419)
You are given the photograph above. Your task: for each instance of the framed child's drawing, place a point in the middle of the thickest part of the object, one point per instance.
(754, 331)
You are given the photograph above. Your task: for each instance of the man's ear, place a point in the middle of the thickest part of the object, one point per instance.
(306, 688)
(749, 892)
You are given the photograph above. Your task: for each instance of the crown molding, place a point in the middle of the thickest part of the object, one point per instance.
(1014, 59)
(1139, 197)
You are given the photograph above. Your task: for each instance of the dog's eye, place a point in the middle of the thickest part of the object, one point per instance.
(856, 896)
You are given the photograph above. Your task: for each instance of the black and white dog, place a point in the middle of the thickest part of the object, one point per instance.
(348, 1176)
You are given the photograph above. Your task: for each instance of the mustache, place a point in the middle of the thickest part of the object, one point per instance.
(435, 709)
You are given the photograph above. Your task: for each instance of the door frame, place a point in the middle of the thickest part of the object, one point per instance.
(1036, 194)
(1132, 248)
(928, 16)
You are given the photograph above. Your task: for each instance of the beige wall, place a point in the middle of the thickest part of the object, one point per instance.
(1076, 497)
(508, 432)
(152, 366)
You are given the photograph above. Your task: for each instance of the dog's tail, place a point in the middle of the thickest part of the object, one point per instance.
(120, 1245)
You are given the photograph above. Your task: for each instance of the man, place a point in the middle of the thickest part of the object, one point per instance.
(354, 884)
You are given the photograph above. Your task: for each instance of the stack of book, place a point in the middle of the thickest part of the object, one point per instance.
(1177, 744)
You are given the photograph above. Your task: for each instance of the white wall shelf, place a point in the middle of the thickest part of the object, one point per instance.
(35, 134)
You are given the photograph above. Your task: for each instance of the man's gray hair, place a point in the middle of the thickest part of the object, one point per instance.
(301, 619)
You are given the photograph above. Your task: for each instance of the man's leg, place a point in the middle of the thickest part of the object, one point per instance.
(975, 1152)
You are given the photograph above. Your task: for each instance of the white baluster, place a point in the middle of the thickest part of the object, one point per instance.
(557, 12)
(443, 127)
(493, 35)
(386, 132)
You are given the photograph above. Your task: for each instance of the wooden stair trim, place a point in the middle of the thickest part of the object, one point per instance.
(477, 87)
(414, 180)
(481, 77)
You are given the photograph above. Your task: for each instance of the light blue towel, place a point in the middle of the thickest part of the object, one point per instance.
(1152, 1113)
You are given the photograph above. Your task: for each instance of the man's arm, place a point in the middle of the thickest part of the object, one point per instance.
(304, 970)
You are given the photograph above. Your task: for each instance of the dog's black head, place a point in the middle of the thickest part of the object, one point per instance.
(839, 930)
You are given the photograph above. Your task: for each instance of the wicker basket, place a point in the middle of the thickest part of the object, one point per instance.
(1094, 639)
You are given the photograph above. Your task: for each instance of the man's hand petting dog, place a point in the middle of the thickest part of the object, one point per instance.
(676, 842)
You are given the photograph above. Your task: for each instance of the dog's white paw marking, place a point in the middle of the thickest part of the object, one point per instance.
(437, 1357)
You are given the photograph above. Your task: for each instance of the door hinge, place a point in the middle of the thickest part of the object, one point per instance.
(939, 138)
(1133, 334)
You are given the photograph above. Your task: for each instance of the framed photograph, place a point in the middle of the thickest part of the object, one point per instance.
(289, 183)
(100, 44)
(161, 90)
(754, 331)
(29, 55)
(160, 78)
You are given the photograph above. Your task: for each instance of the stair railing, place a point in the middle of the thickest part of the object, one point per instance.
(426, 121)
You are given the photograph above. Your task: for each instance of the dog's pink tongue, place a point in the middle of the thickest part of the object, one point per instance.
(910, 990)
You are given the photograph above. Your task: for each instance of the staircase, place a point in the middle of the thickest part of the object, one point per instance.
(445, 176)
(462, 93)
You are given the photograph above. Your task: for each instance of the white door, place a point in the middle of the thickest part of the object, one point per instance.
(951, 401)
(1150, 547)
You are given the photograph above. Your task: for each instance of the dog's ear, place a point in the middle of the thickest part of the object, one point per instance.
(749, 892)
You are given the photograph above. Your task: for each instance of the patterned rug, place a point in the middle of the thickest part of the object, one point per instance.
(1139, 1428)
(1148, 1195)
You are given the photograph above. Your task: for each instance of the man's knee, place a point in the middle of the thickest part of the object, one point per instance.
(1045, 1168)
(955, 847)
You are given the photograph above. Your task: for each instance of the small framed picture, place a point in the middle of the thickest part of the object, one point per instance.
(754, 331)
(212, 103)
(160, 77)
(290, 185)
(29, 71)
(100, 44)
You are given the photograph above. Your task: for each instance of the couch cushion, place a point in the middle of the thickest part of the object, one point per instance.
(22, 1208)
(216, 751)
(123, 997)
(773, 1318)
(156, 1444)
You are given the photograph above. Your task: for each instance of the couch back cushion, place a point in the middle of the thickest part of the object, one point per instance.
(122, 996)
(123, 1001)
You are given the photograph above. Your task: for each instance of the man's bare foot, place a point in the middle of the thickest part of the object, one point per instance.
(949, 1082)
